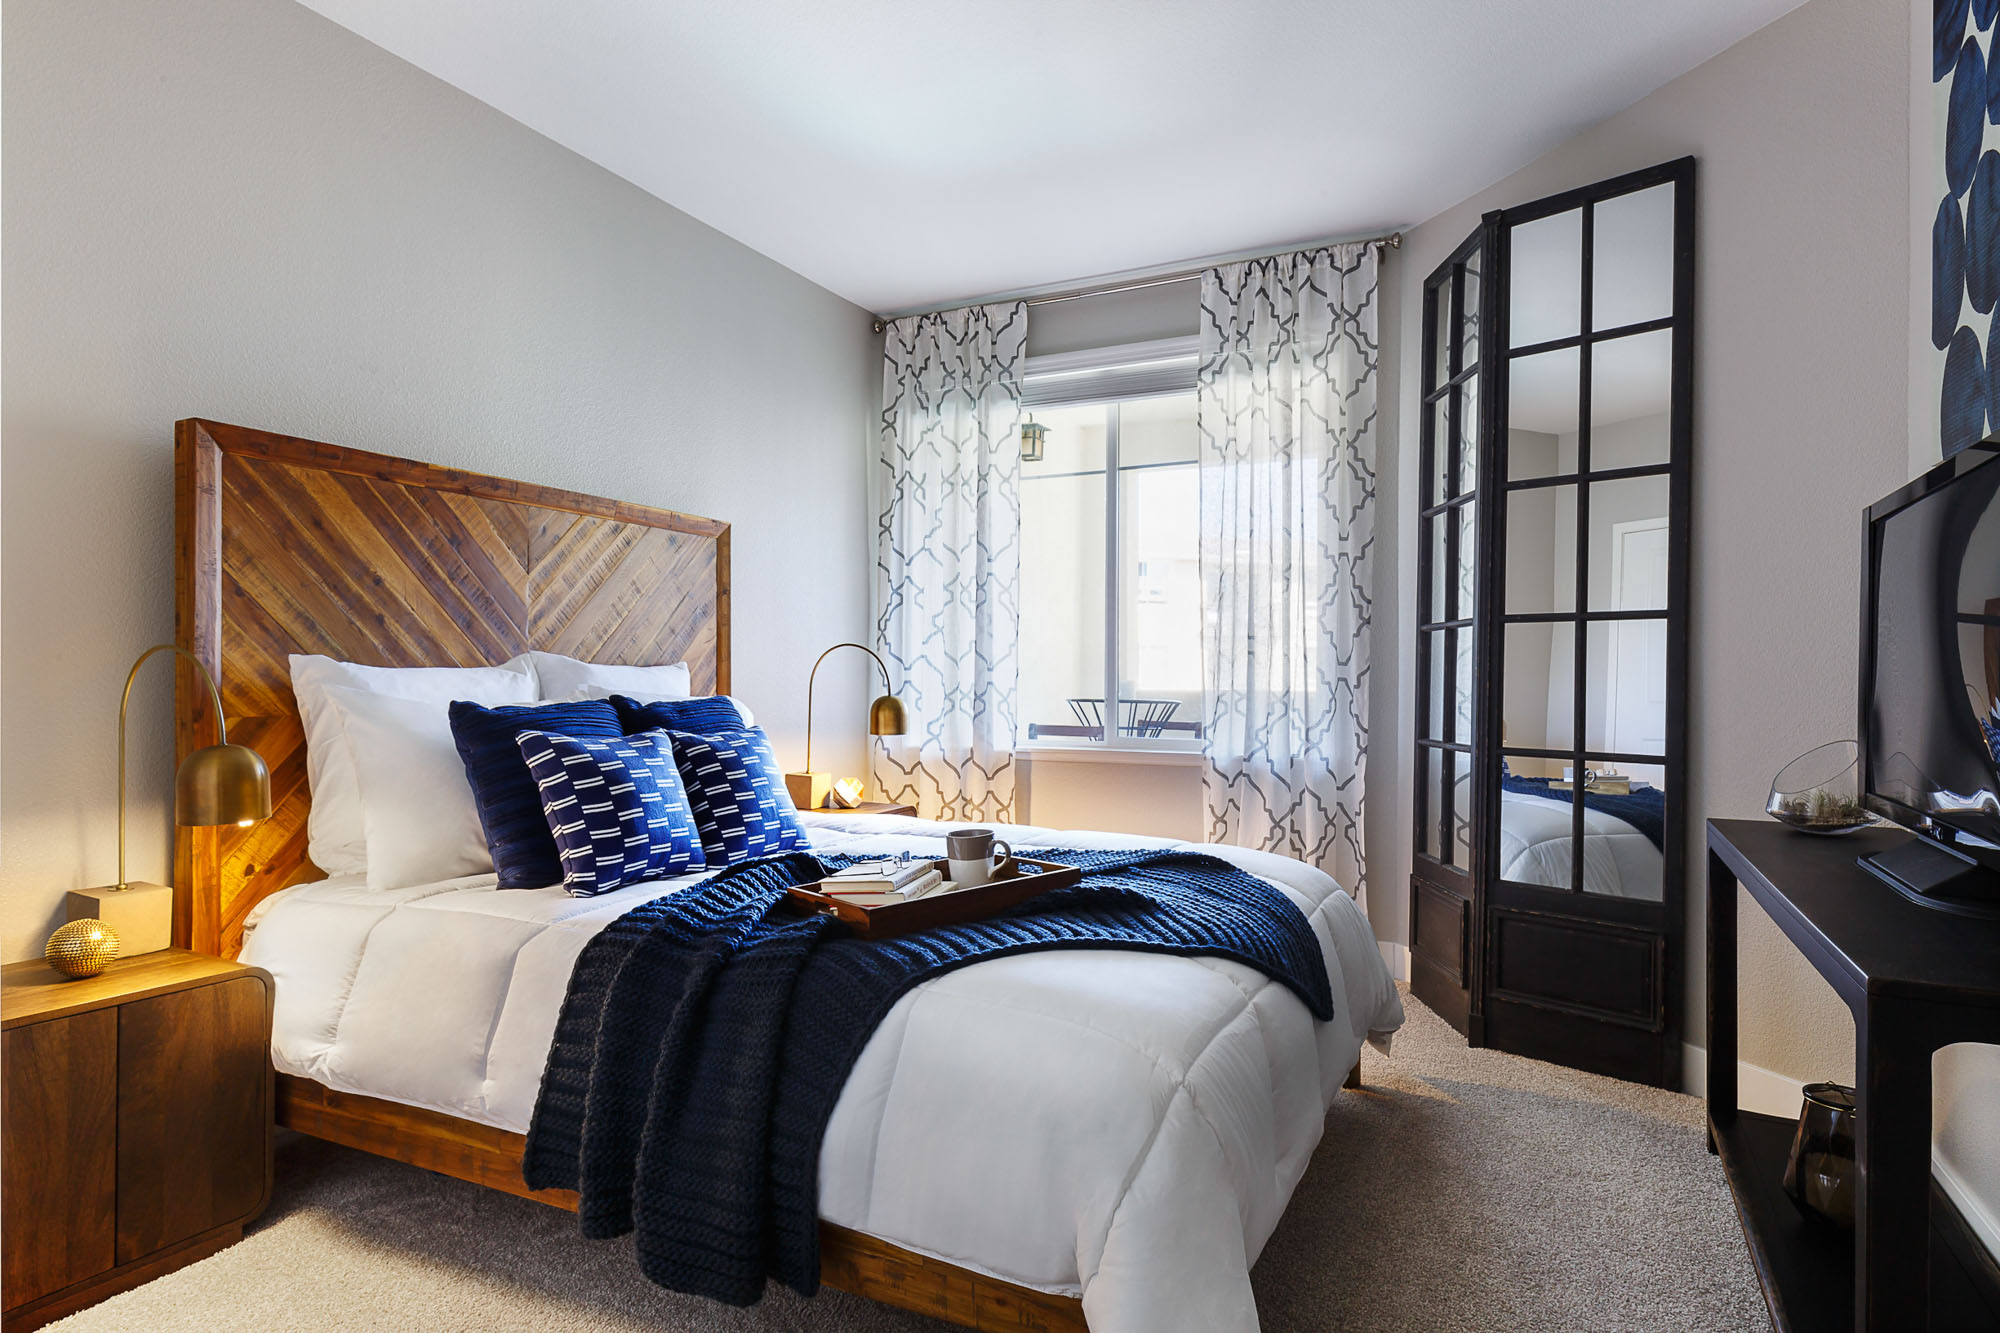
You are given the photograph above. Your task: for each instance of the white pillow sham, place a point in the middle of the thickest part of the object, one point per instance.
(336, 838)
(563, 677)
(421, 823)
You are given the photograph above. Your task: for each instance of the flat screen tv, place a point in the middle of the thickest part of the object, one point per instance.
(1930, 679)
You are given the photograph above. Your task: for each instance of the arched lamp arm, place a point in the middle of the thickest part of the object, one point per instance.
(814, 677)
(125, 700)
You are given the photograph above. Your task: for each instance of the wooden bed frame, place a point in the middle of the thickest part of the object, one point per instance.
(287, 546)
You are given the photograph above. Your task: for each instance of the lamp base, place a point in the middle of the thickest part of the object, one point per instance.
(809, 790)
(141, 915)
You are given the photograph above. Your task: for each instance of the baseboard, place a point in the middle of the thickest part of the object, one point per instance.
(1757, 1088)
(1397, 956)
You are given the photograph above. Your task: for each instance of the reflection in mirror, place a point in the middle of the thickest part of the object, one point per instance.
(1632, 259)
(1441, 303)
(1537, 693)
(1535, 830)
(1435, 526)
(1625, 702)
(1461, 692)
(1546, 279)
(1461, 848)
(1541, 550)
(1628, 544)
(1441, 464)
(1542, 396)
(1468, 318)
(1623, 834)
(1468, 436)
(1468, 562)
(1434, 666)
(1631, 383)
(1429, 783)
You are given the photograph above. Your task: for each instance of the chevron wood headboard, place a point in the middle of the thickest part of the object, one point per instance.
(286, 546)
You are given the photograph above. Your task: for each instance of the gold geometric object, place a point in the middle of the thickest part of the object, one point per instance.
(82, 948)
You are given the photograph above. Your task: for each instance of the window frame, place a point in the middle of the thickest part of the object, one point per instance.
(1110, 745)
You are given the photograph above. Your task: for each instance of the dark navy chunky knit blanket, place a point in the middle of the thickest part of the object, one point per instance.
(706, 1036)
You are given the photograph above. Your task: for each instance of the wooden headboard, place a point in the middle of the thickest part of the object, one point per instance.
(286, 546)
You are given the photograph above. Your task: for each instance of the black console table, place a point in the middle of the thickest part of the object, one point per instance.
(1916, 979)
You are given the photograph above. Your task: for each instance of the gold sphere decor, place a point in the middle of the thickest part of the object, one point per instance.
(82, 948)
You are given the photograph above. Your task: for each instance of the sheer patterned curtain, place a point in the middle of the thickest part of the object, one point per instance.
(948, 557)
(1286, 398)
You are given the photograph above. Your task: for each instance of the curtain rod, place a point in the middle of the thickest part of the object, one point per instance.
(1390, 241)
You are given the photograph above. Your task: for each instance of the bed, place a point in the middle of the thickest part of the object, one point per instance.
(1042, 1142)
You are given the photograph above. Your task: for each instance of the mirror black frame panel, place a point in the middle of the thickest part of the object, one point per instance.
(1586, 979)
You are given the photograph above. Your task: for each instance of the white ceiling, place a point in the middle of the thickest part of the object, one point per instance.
(907, 152)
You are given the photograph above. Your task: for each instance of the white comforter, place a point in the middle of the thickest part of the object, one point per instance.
(1123, 1126)
(1535, 834)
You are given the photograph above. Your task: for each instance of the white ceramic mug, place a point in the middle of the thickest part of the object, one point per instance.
(975, 856)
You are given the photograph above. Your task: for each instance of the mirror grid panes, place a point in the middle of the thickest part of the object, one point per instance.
(1448, 539)
(1584, 687)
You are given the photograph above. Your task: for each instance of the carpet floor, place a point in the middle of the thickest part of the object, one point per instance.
(1460, 1190)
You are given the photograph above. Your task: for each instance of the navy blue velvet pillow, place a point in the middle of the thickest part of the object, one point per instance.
(706, 716)
(509, 802)
(738, 794)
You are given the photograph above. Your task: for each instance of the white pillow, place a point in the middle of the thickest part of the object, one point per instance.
(416, 803)
(562, 677)
(335, 837)
(606, 691)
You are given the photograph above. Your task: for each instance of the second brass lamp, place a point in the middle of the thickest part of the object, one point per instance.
(809, 790)
(217, 784)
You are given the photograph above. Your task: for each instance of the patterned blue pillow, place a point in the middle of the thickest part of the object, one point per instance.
(510, 806)
(704, 716)
(738, 793)
(615, 809)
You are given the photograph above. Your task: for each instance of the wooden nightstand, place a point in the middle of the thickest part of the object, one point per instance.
(135, 1132)
(869, 808)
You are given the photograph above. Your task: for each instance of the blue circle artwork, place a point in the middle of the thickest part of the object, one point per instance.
(1982, 235)
(1992, 380)
(1947, 272)
(1947, 30)
(1962, 402)
(1965, 118)
(1993, 89)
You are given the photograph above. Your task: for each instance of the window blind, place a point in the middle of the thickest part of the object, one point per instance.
(1109, 374)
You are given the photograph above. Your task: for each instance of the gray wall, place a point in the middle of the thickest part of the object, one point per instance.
(239, 210)
(1803, 139)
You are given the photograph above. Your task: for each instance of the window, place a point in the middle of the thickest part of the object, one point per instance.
(1111, 577)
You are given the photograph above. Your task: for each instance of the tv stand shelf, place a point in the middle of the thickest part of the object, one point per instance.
(1916, 979)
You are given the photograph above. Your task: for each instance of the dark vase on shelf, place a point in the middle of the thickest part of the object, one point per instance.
(1819, 1175)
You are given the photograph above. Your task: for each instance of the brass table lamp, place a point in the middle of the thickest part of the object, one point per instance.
(885, 718)
(217, 784)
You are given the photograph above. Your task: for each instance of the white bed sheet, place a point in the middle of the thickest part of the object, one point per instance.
(1535, 835)
(1125, 1127)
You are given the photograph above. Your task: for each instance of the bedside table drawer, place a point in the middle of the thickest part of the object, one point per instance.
(192, 1113)
(137, 1126)
(62, 1123)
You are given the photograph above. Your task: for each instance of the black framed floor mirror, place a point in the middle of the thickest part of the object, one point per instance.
(1547, 900)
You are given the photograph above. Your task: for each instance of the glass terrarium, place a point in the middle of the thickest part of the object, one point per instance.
(1820, 791)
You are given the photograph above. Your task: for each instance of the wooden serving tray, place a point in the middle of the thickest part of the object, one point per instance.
(943, 908)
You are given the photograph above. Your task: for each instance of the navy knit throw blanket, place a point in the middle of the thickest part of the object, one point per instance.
(706, 1036)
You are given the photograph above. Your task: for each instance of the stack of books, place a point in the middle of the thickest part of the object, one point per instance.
(879, 883)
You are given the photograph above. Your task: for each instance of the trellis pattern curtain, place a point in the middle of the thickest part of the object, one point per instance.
(1286, 398)
(948, 557)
